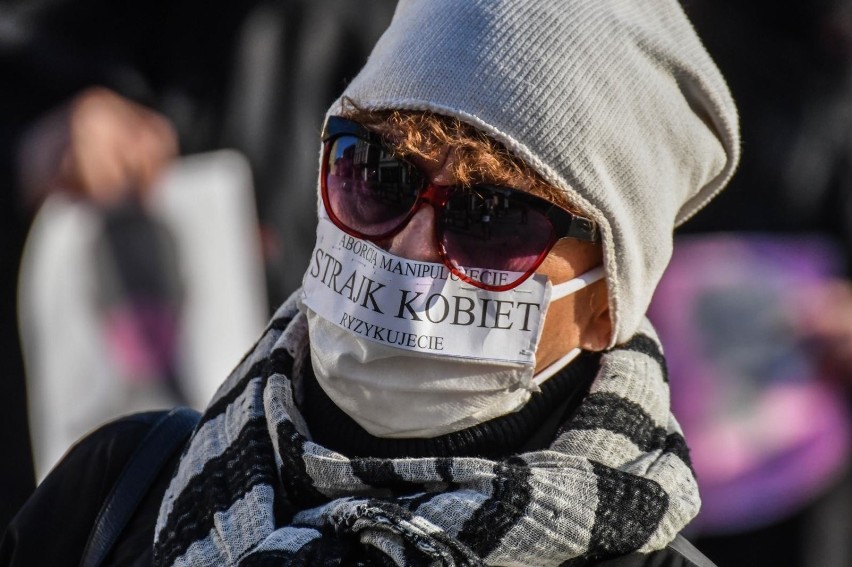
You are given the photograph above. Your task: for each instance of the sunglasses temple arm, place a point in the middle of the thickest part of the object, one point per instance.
(583, 229)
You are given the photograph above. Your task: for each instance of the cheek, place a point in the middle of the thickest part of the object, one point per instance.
(569, 258)
(564, 326)
(560, 333)
(561, 319)
(555, 267)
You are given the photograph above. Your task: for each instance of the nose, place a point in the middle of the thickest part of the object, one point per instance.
(417, 240)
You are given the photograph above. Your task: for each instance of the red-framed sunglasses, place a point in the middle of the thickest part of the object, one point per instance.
(371, 193)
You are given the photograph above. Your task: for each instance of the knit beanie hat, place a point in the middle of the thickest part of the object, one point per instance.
(615, 102)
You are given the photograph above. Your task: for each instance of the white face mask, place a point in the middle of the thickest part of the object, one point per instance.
(408, 350)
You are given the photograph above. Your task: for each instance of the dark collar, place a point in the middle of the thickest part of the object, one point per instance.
(533, 427)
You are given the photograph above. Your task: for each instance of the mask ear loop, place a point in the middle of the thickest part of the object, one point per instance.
(556, 366)
(558, 292)
(572, 286)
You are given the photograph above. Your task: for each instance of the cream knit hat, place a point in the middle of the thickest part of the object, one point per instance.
(615, 102)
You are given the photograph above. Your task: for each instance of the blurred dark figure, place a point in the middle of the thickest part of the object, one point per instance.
(789, 66)
(788, 320)
(256, 76)
(141, 293)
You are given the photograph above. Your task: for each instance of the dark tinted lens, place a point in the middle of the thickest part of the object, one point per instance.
(369, 189)
(494, 229)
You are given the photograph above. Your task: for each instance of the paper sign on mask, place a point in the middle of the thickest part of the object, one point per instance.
(421, 306)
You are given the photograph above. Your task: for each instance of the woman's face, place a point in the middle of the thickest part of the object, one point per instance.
(579, 320)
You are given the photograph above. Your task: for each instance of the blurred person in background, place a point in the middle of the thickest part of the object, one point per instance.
(531, 176)
(755, 310)
(101, 292)
(98, 96)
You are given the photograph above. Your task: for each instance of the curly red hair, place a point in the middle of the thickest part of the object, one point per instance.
(480, 158)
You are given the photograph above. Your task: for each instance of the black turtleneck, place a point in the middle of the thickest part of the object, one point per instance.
(533, 427)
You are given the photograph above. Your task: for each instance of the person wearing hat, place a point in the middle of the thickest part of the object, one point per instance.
(466, 376)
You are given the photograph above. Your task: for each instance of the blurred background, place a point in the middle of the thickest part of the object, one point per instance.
(161, 156)
(755, 309)
(158, 169)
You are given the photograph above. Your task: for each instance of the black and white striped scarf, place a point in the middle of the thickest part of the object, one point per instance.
(253, 489)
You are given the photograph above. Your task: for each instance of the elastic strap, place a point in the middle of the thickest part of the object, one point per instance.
(567, 288)
(168, 434)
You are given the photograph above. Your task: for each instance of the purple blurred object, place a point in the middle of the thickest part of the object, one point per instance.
(767, 434)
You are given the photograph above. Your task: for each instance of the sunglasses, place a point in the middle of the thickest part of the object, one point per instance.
(489, 236)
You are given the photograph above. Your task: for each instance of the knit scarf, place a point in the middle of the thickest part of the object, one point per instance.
(252, 488)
